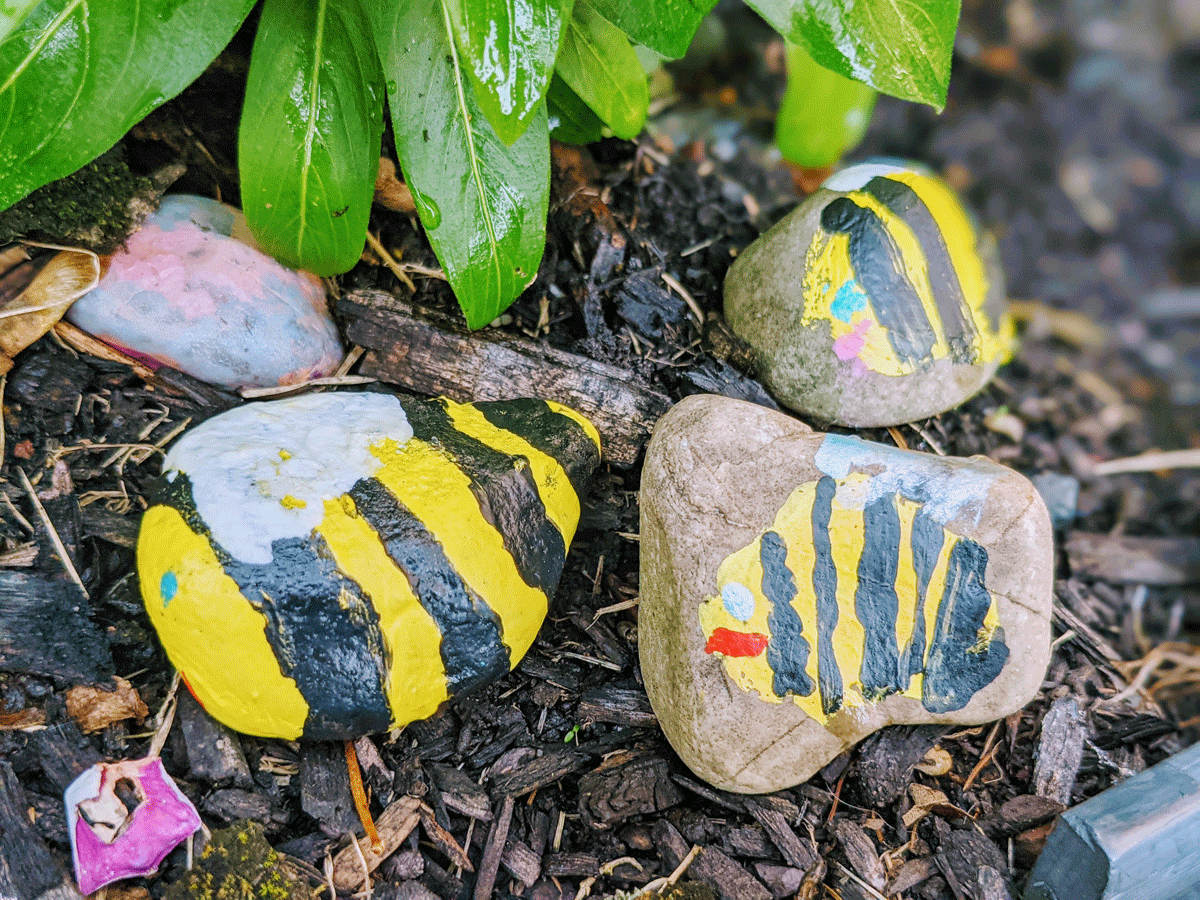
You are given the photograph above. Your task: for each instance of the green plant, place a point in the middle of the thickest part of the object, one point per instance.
(475, 87)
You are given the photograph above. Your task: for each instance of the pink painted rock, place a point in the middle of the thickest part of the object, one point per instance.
(123, 819)
(191, 290)
(801, 590)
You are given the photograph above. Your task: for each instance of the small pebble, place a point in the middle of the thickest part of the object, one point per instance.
(878, 301)
(800, 591)
(1060, 494)
(339, 564)
(192, 291)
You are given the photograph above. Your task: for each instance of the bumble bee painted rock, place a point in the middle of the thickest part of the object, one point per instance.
(801, 590)
(878, 301)
(333, 565)
(192, 290)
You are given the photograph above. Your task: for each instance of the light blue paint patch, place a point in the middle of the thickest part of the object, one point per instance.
(948, 488)
(168, 586)
(738, 601)
(207, 214)
(849, 299)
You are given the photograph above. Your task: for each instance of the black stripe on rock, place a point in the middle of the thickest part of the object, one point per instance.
(879, 267)
(472, 650)
(824, 579)
(556, 435)
(324, 633)
(875, 602)
(787, 652)
(960, 664)
(957, 322)
(926, 543)
(508, 497)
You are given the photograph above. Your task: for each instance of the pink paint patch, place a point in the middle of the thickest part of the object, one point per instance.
(848, 345)
(858, 368)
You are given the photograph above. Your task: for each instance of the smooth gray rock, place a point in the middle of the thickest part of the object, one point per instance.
(876, 302)
(756, 695)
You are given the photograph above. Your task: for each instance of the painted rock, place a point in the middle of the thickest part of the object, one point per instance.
(801, 590)
(878, 301)
(192, 291)
(334, 565)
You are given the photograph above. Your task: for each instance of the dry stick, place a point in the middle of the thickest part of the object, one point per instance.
(165, 716)
(280, 390)
(1150, 462)
(3, 383)
(984, 757)
(659, 883)
(390, 262)
(672, 283)
(85, 343)
(59, 547)
(489, 866)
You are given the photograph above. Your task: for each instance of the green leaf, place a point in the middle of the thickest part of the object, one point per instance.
(571, 120)
(308, 146)
(666, 26)
(900, 47)
(483, 204)
(508, 47)
(823, 114)
(76, 76)
(598, 63)
(13, 13)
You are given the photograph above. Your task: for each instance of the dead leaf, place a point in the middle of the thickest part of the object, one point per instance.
(928, 800)
(94, 708)
(25, 718)
(936, 762)
(33, 312)
(390, 191)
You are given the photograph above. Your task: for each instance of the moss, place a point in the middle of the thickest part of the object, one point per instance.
(96, 207)
(239, 864)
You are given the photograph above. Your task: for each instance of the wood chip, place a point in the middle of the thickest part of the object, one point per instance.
(795, 852)
(394, 824)
(444, 840)
(489, 866)
(1060, 751)
(861, 853)
(1121, 559)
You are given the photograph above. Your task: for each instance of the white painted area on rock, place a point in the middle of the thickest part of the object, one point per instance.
(263, 471)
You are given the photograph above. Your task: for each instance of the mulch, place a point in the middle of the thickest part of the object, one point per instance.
(556, 781)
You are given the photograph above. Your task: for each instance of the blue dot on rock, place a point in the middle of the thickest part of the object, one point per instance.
(848, 300)
(738, 600)
(168, 586)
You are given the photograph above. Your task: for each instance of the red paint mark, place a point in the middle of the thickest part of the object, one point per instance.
(736, 643)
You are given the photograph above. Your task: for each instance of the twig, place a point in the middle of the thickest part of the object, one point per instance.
(1149, 462)
(989, 750)
(659, 883)
(280, 390)
(391, 262)
(165, 717)
(672, 283)
(59, 547)
(85, 343)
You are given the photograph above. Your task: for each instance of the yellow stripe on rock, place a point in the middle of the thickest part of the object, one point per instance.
(584, 423)
(436, 491)
(846, 546)
(554, 488)
(416, 676)
(211, 632)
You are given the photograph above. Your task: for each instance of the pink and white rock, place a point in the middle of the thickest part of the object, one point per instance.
(801, 590)
(191, 290)
(123, 819)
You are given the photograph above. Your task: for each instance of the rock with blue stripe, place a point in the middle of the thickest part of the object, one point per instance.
(801, 590)
(334, 565)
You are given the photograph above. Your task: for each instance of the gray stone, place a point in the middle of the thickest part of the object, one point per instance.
(757, 695)
(1061, 495)
(876, 302)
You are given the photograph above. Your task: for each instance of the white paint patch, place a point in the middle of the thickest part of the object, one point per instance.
(855, 178)
(263, 471)
(946, 487)
(738, 601)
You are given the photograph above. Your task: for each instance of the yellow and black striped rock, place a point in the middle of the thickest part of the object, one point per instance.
(333, 565)
(878, 301)
(800, 590)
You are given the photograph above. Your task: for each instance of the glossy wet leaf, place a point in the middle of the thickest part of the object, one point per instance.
(75, 76)
(483, 204)
(665, 26)
(823, 114)
(508, 47)
(308, 146)
(900, 47)
(571, 120)
(598, 63)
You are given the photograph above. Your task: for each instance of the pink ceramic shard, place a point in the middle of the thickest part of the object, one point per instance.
(109, 839)
(191, 290)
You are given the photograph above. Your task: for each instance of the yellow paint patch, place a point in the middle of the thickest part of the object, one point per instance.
(211, 632)
(431, 485)
(416, 684)
(290, 502)
(584, 423)
(554, 488)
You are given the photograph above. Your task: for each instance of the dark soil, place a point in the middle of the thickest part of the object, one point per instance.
(1070, 128)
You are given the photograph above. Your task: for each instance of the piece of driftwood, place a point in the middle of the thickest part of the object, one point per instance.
(45, 630)
(27, 869)
(1135, 840)
(1122, 559)
(428, 357)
